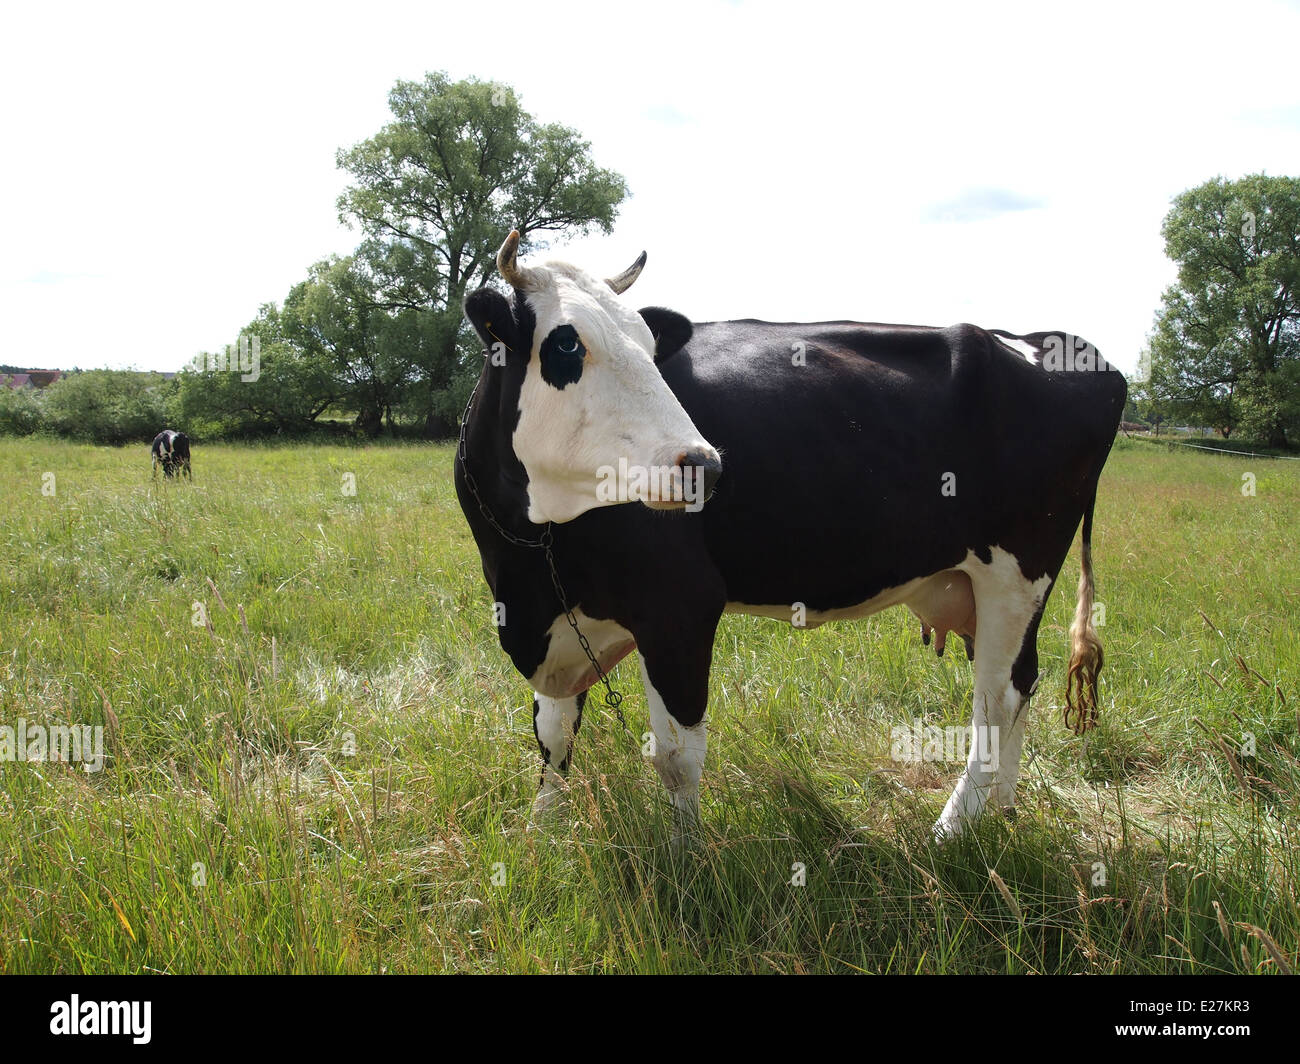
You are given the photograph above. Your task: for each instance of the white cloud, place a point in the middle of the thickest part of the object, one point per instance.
(168, 171)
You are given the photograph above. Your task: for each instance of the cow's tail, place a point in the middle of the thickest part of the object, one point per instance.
(1085, 646)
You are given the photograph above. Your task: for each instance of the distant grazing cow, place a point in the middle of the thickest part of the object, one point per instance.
(171, 450)
(848, 467)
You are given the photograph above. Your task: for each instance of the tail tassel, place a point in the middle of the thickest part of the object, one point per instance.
(1085, 648)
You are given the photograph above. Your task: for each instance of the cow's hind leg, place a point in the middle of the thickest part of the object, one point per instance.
(1024, 682)
(1006, 672)
(555, 723)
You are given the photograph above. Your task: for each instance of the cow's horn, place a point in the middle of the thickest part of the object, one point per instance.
(624, 280)
(510, 269)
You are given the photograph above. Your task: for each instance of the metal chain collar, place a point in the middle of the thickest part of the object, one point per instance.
(613, 698)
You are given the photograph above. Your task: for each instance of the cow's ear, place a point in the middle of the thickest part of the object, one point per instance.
(671, 330)
(490, 314)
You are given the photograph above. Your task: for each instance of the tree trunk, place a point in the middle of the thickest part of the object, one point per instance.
(438, 427)
(370, 420)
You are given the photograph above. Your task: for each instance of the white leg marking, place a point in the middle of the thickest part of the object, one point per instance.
(678, 757)
(554, 724)
(1004, 787)
(1005, 603)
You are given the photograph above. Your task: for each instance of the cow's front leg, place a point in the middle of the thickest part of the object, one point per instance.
(677, 688)
(555, 723)
(678, 757)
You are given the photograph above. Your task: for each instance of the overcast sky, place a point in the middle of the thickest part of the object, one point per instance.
(168, 169)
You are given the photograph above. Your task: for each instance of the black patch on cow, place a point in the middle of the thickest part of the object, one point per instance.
(562, 355)
(671, 330)
(1024, 670)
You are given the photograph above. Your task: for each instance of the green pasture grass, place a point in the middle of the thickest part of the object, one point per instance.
(319, 759)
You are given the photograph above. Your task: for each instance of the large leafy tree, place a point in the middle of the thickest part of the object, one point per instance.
(1226, 345)
(435, 191)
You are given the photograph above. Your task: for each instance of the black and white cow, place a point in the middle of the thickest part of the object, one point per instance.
(852, 467)
(171, 450)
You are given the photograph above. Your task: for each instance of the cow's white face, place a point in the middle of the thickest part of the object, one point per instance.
(597, 423)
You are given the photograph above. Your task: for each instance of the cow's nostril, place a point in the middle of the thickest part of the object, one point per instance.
(710, 469)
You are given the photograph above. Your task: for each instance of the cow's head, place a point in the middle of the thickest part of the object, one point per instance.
(597, 425)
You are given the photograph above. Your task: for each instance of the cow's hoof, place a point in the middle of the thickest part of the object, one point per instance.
(686, 840)
(684, 844)
(946, 829)
(686, 825)
(550, 810)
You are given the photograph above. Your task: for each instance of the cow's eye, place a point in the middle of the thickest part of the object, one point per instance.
(568, 346)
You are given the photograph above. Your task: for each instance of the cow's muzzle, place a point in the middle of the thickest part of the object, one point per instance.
(705, 469)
